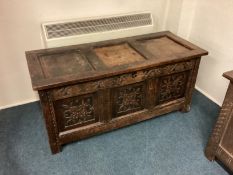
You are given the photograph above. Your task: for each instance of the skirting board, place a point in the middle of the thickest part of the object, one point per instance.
(18, 104)
(208, 96)
(34, 100)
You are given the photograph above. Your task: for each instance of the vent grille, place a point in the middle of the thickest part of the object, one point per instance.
(74, 28)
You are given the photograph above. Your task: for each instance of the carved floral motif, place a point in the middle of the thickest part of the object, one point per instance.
(172, 86)
(130, 99)
(78, 112)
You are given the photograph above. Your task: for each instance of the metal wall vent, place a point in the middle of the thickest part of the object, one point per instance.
(97, 25)
(75, 28)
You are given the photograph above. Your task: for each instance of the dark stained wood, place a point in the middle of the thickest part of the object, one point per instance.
(50, 121)
(190, 86)
(97, 87)
(58, 64)
(172, 87)
(151, 92)
(229, 75)
(76, 111)
(220, 144)
(128, 99)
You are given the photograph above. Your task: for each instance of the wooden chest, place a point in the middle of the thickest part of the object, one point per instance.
(93, 88)
(220, 144)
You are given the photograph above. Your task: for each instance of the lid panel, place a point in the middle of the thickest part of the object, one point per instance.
(163, 47)
(60, 64)
(120, 54)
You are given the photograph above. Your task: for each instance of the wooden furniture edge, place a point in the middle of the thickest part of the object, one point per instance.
(228, 75)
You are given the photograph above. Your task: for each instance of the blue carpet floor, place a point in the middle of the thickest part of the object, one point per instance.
(169, 145)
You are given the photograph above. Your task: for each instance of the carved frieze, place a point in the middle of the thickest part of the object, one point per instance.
(121, 80)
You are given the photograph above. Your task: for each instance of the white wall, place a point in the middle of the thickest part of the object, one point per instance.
(20, 31)
(209, 24)
(172, 15)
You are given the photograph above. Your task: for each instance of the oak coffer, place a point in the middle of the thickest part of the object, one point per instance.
(93, 88)
(220, 144)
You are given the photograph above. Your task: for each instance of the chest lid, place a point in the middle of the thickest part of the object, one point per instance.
(65, 65)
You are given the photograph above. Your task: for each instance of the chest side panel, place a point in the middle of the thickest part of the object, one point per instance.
(226, 141)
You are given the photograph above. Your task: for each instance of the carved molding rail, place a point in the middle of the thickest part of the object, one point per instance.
(82, 88)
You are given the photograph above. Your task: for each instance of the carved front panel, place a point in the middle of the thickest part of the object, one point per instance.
(172, 86)
(75, 111)
(129, 99)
